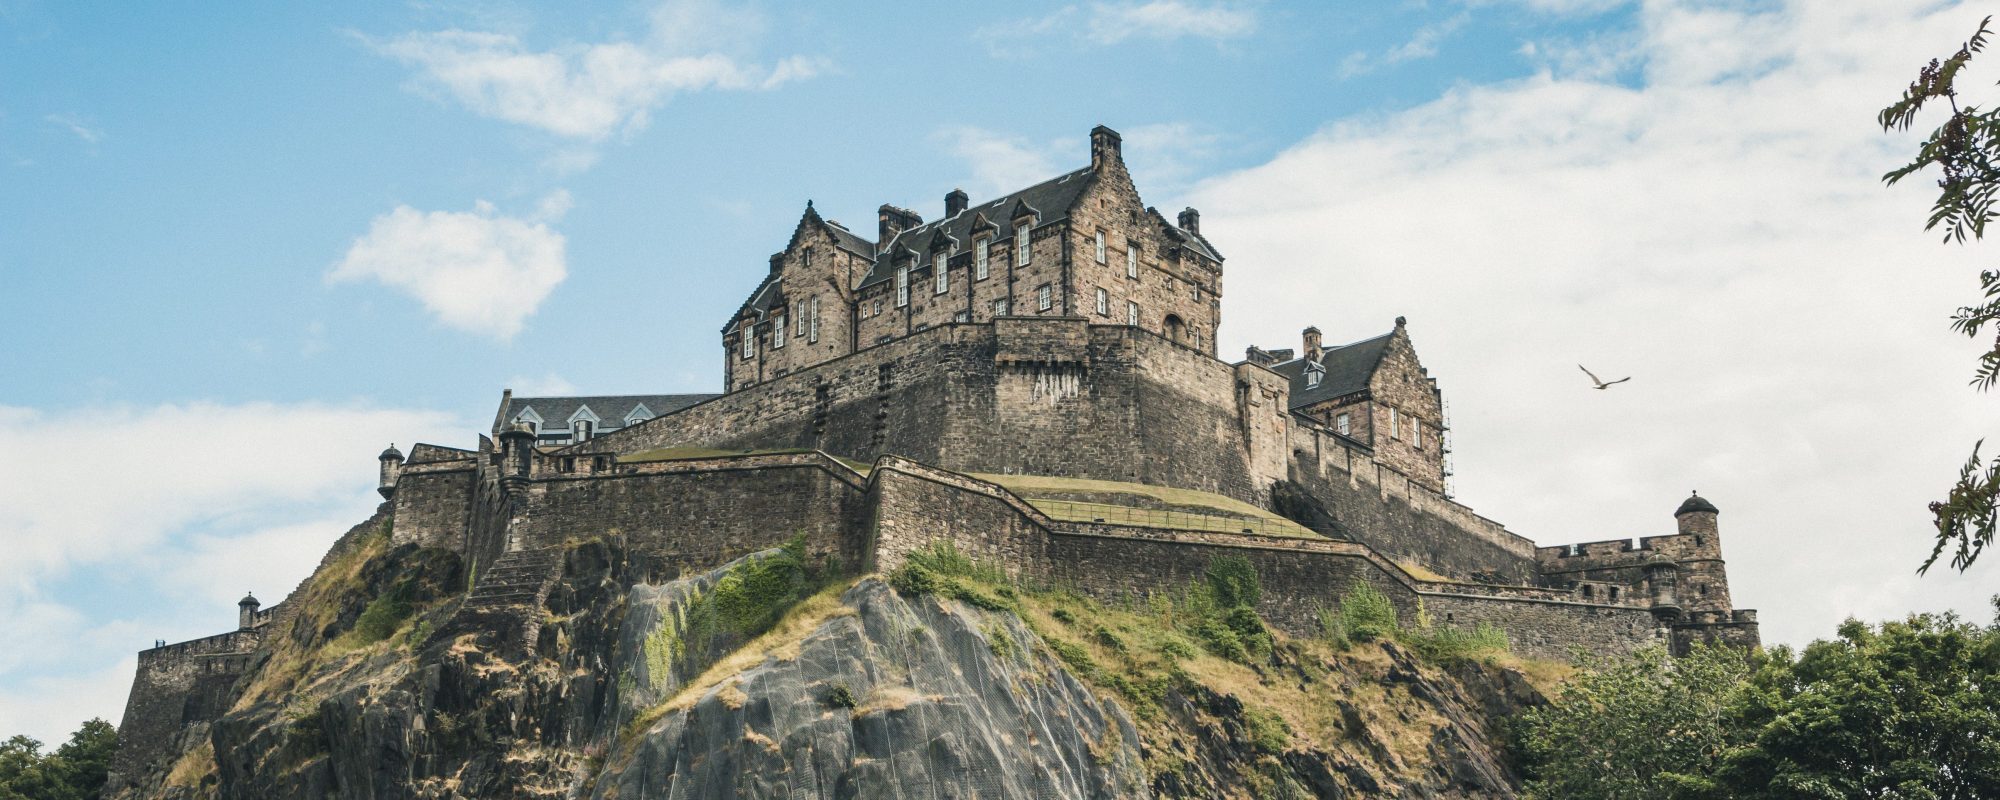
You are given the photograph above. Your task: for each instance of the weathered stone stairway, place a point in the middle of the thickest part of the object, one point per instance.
(506, 596)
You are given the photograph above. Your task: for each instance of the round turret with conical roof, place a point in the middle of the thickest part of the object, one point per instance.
(392, 469)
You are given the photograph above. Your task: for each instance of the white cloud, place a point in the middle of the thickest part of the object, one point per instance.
(476, 271)
(589, 91)
(1000, 162)
(1108, 23)
(1421, 45)
(548, 384)
(76, 125)
(1720, 233)
(211, 499)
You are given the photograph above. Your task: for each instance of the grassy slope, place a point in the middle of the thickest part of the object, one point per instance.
(1047, 493)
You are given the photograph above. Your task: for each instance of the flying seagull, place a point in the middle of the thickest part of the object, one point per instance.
(1601, 383)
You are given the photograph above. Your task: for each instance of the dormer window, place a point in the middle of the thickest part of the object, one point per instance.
(941, 269)
(580, 430)
(902, 286)
(1131, 259)
(1100, 247)
(1021, 249)
(778, 331)
(981, 248)
(1313, 375)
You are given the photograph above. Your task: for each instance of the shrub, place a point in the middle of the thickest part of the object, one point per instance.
(1075, 656)
(1445, 645)
(1268, 731)
(1112, 641)
(1177, 648)
(1249, 629)
(1064, 616)
(840, 696)
(1366, 614)
(1331, 628)
(1234, 582)
(1221, 640)
(913, 579)
(381, 618)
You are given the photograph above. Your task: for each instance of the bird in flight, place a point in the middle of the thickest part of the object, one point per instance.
(1601, 383)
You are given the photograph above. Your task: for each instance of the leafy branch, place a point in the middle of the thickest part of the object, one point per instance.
(1964, 149)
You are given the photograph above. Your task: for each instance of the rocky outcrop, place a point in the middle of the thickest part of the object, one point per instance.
(629, 690)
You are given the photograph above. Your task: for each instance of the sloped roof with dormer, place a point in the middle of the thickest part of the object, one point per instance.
(1049, 200)
(611, 409)
(1348, 370)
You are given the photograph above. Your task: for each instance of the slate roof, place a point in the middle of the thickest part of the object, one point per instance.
(612, 409)
(1348, 368)
(1050, 199)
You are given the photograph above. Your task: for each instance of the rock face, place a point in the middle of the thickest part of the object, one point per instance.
(892, 697)
(630, 690)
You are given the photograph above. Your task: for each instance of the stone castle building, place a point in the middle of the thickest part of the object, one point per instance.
(1033, 378)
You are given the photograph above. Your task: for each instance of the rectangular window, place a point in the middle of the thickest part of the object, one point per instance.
(808, 257)
(902, 286)
(1000, 307)
(812, 332)
(1395, 425)
(980, 250)
(1312, 378)
(1103, 303)
(1045, 297)
(1100, 247)
(1021, 248)
(749, 342)
(1340, 425)
(1131, 313)
(962, 316)
(799, 327)
(1131, 260)
(778, 331)
(941, 267)
(1417, 434)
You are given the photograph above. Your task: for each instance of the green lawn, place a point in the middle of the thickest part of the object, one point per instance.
(1205, 511)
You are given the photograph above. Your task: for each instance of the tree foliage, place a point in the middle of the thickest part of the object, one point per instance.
(1965, 150)
(1907, 710)
(75, 771)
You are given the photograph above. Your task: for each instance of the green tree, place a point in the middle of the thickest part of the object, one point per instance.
(1965, 149)
(1645, 727)
(1907, 710)
(75, 771)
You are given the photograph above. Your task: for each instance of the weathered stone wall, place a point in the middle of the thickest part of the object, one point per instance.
(175, 687)
(916, 506)
(1405, 519)
(697, 515)
(1171, 281)
(1702, 581)
(1555, 629)
(1048, 396)
(1407, 415)
(434, 504)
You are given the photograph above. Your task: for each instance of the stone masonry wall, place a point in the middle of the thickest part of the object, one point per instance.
(1411, 443)
(916, 506)
(434, 504)
(177, 686)
(1405, 519)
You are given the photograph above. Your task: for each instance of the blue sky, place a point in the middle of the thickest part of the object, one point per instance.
(244, 248)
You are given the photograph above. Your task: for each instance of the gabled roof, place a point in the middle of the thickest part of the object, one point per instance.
(1191, 241)
(1051, 200)
(610, 408)
(1348, 369)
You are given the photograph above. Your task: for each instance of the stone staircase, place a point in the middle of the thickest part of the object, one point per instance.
(518, 577)
(507, 597)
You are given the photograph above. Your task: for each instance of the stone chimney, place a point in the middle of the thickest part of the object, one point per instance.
(777, 262)
(1191, 221)
(955, 201)
(1104, 143)
(1312, 349)
(893, 221)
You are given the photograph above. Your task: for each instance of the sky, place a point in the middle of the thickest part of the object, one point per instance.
(246, 247)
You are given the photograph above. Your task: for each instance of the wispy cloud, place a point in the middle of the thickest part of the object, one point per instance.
(76, 125)
(1421, 45)
(1162, 156)
(475, 271)
(1109, 23)
(589, 91)
(1000, 162)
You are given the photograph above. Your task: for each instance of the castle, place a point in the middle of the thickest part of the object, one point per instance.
(1033, 379)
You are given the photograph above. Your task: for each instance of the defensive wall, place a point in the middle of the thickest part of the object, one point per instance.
(1030, 395)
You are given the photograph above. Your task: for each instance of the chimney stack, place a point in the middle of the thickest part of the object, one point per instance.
(1312, 349)
(955, 201)
(1191, 221)
(892, 221)
(1104, 145)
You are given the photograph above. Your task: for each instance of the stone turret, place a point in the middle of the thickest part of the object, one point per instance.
(517, 452)
(1697, 517)
(1313, 351)
(1662, 581)
(246, 611)
(392, 469)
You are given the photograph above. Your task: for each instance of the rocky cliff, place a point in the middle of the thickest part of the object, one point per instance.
(779, 677)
